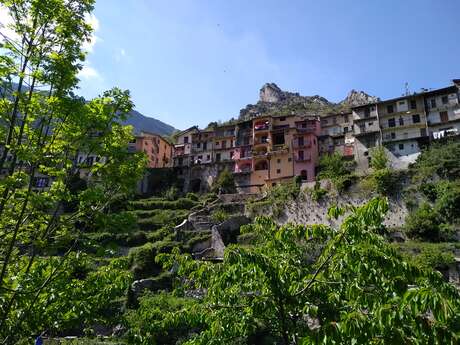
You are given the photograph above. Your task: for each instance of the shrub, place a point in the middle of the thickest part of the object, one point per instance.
(142, 261)
(225, 183)
(171, 194)
(448, 201)
(440, 159)
(335, 168)
(318, 193)
(427, 255)
(379, 159)
(219, 216)
(423, 223)
(150, 324)
(192, 196)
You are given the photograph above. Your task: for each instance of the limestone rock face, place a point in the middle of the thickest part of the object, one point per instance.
(270, 93)
(276, 102)
(355, 98)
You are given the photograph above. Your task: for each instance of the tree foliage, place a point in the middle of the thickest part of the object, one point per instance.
(47, 133)
(316, 284)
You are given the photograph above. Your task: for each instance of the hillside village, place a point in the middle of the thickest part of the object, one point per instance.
(301, 221)
(264, 150)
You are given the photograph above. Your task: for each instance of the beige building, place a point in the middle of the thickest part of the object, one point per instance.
(404, 125)
(443, 111)
(337, 134)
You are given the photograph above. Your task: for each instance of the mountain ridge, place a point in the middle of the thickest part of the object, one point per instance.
(274, 101)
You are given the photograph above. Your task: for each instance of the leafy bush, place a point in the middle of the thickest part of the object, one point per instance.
(448, 201)
(192, 196)
(276, 199)
(155, 203)
(440, 159)
(353, 286)
(386, 181)
(171, 194)
(318, 193)
(158, 320)
(425, 223)
(219, 216)
(225, 183)
(334, 167)
(427, 255)
(379, 159)
(142, 261)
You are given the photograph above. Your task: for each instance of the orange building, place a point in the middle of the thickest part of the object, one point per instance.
(282, 147)
(158, 150)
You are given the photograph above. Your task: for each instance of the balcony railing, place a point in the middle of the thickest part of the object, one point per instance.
(301, 145)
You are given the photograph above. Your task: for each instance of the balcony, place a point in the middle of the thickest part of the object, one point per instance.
(360, 131)
(305, 129)
(301, 145)
(262, 126)
(305, 158)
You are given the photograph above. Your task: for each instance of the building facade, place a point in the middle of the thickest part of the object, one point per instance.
(158, 150)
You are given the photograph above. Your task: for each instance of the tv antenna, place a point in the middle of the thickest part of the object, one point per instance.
(406, 89)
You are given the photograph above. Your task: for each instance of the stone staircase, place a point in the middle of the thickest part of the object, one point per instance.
(221, 233)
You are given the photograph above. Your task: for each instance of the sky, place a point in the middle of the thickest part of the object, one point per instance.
(190, 62)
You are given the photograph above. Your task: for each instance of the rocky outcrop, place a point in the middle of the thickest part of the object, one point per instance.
(355, 98)
(274, 101)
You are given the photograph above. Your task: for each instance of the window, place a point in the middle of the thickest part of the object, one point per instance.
(205, 145)
(185, 140)
(334, 120)
(278, 171)
(391, 123)
(345, 118)
(300, 141)
(445, 99)
(278, 139)
(198, 145)
(367, 112)
(282, 118)
(444, 116)
(433, 103)
(391, 148)
(401, 121)
(301, 155)
(413, 104)
(217, 157)
(402, 102)
(89, 160)
(224, 144)
(345, 129)
(278, 161)
(393, 135)
(401, 146)
(370, 124)
(217, 143)
(416, 118)
(390, 109)
(231, 154)
(289, 159)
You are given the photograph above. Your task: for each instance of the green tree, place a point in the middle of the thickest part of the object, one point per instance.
(225, 182)
(379, 159)
(315, 284)
(334, 167)
(45, 129)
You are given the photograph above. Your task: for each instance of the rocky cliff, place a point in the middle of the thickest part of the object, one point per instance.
(274, 101)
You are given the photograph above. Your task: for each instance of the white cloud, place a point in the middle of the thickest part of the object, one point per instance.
(92, 20)
(88, 72)
(5, 22)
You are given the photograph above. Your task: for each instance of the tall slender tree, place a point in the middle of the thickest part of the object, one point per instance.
(45, 129)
